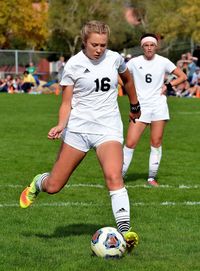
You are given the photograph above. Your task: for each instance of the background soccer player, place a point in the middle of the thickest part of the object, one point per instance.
(148, 71)
(89, 117)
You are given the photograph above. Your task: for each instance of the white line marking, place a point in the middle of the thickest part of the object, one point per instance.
(11, 185)
(188, 113)
(181, 186)
(70, 203)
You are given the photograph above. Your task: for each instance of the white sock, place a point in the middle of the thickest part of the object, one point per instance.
(121, 209)
(39, 182)
(128, 154)
(154, 162)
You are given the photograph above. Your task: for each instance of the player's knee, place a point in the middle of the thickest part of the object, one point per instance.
(114, 180)
(130, 144)
(113, 174)
(156, 143)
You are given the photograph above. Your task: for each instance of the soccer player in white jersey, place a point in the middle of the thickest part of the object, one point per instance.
(148, 71)
(89, 117)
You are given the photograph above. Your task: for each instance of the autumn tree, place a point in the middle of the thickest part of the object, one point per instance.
(66, 18)
(23, 24)
(190, 22)
(172, 19)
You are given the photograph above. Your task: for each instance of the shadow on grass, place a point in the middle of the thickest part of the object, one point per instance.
(68, 230)
(133, 177)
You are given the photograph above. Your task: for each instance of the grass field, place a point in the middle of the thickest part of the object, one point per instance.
(55, 233)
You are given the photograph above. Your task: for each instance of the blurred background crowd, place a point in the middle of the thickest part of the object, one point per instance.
(30, 81)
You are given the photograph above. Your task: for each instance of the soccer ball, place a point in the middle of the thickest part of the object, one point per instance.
(108, 242)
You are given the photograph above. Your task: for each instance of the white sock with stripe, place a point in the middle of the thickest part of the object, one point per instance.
(121, 208)
(128, 155)
(154, 162)
(38, 183)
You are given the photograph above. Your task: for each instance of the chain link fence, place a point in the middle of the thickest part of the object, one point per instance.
(14, 62)
(172, 51)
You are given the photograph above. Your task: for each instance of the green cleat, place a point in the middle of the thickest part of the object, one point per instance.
(29, 194)
(131, 238)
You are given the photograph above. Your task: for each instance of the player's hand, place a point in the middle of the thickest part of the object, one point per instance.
(135, 112)
(134, 116)
(166, 88)
(55, 132)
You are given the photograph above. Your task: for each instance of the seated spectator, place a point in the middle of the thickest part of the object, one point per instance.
(28, 82)
(183, 63)
(190, 56)
(17, 84)
(181, 90)
(32, 70)
(6, 85)
(192, 88)
(192, 65)
(3, 86)
(194, 91)
(195, 77)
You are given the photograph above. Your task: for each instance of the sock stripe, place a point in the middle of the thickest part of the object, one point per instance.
(40, 180)
(122, 218)
(44, 175)
(123, 226)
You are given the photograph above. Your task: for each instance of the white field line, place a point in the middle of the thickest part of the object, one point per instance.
(72, 204)
(180, 186)
(98, 186)
(188, 113)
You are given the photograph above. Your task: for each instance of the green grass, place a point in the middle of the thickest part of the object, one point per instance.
(55, 233)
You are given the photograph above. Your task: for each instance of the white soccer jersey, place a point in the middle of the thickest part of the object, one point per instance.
(94, 103)
(149, 76)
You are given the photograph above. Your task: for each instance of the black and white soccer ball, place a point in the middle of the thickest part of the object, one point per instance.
(108, 242)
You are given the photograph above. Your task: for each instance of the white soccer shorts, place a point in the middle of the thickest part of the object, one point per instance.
(84, 142)
(154, 113)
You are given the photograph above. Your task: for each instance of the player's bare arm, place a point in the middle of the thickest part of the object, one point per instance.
(131, 92)
(64, 113)
(180, 77)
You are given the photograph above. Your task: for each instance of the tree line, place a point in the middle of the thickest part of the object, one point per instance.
(55, 24)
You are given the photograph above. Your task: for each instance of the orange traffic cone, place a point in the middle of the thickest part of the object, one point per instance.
(57, 90)
(198, 93)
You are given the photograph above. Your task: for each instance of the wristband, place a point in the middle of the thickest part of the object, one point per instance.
(135, 108)
(169, 86)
